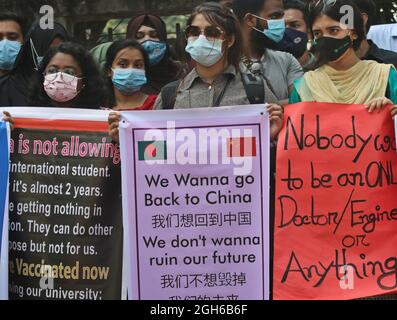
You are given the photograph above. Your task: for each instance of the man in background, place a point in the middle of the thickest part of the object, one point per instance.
(368, 49)
(263, 28)
(297, 32)
(12, 28)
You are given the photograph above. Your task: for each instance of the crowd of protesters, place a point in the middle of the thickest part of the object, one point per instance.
(297, 51)
(239, 52)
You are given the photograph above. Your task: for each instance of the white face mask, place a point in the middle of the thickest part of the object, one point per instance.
(61, 87)
(205, 52)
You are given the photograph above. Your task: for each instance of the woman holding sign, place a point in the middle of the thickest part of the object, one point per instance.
(341, 77)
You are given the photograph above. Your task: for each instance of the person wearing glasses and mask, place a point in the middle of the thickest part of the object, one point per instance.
(214, 43)
(150, 31)
(68, 78)
(341, 77)
(263, 26)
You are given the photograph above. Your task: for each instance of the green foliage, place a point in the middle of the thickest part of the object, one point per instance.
(171, 23)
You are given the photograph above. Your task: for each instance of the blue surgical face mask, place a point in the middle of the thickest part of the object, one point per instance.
(129, 81)
(275, 29)
(156, 51)
(205, 52)
(9, 51)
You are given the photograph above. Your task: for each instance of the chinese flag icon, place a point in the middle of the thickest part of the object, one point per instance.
(241, 147)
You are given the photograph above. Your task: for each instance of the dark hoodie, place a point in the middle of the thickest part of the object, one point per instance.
(14, 87)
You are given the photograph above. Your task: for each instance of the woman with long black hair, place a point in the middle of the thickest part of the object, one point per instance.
(68, 77)
(125, 68)
(340, 76)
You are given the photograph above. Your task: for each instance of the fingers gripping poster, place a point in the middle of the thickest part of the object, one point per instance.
(65, 231)
(195, 203)
(336, 208)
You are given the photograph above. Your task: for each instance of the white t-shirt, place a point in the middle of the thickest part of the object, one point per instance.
(384, 36)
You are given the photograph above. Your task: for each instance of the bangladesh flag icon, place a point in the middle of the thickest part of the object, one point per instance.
(152, 150)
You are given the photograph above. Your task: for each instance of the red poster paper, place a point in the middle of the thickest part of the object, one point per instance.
(336, 203)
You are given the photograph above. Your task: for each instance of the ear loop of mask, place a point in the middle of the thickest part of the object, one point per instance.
(82, 85)
(34, 55)
(257, 23)
(350, 36)
(213, 43)
(351, 41)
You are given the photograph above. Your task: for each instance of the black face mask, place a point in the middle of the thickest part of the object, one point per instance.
(294, 42)
(331, 49)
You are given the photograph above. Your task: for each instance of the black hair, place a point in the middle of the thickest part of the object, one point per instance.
(242, 7)
(93, 94)
(11, 16)
(368, 7)
(297, 5)
(222, 17)
(333, 10)
(111, 54)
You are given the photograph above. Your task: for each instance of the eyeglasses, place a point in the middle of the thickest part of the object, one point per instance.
(210, 32)
(325, 3)
(67, 76)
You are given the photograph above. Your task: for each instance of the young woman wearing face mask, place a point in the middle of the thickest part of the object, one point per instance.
(68, 78)
(341, 76)
(150, 31)
(126, 65)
